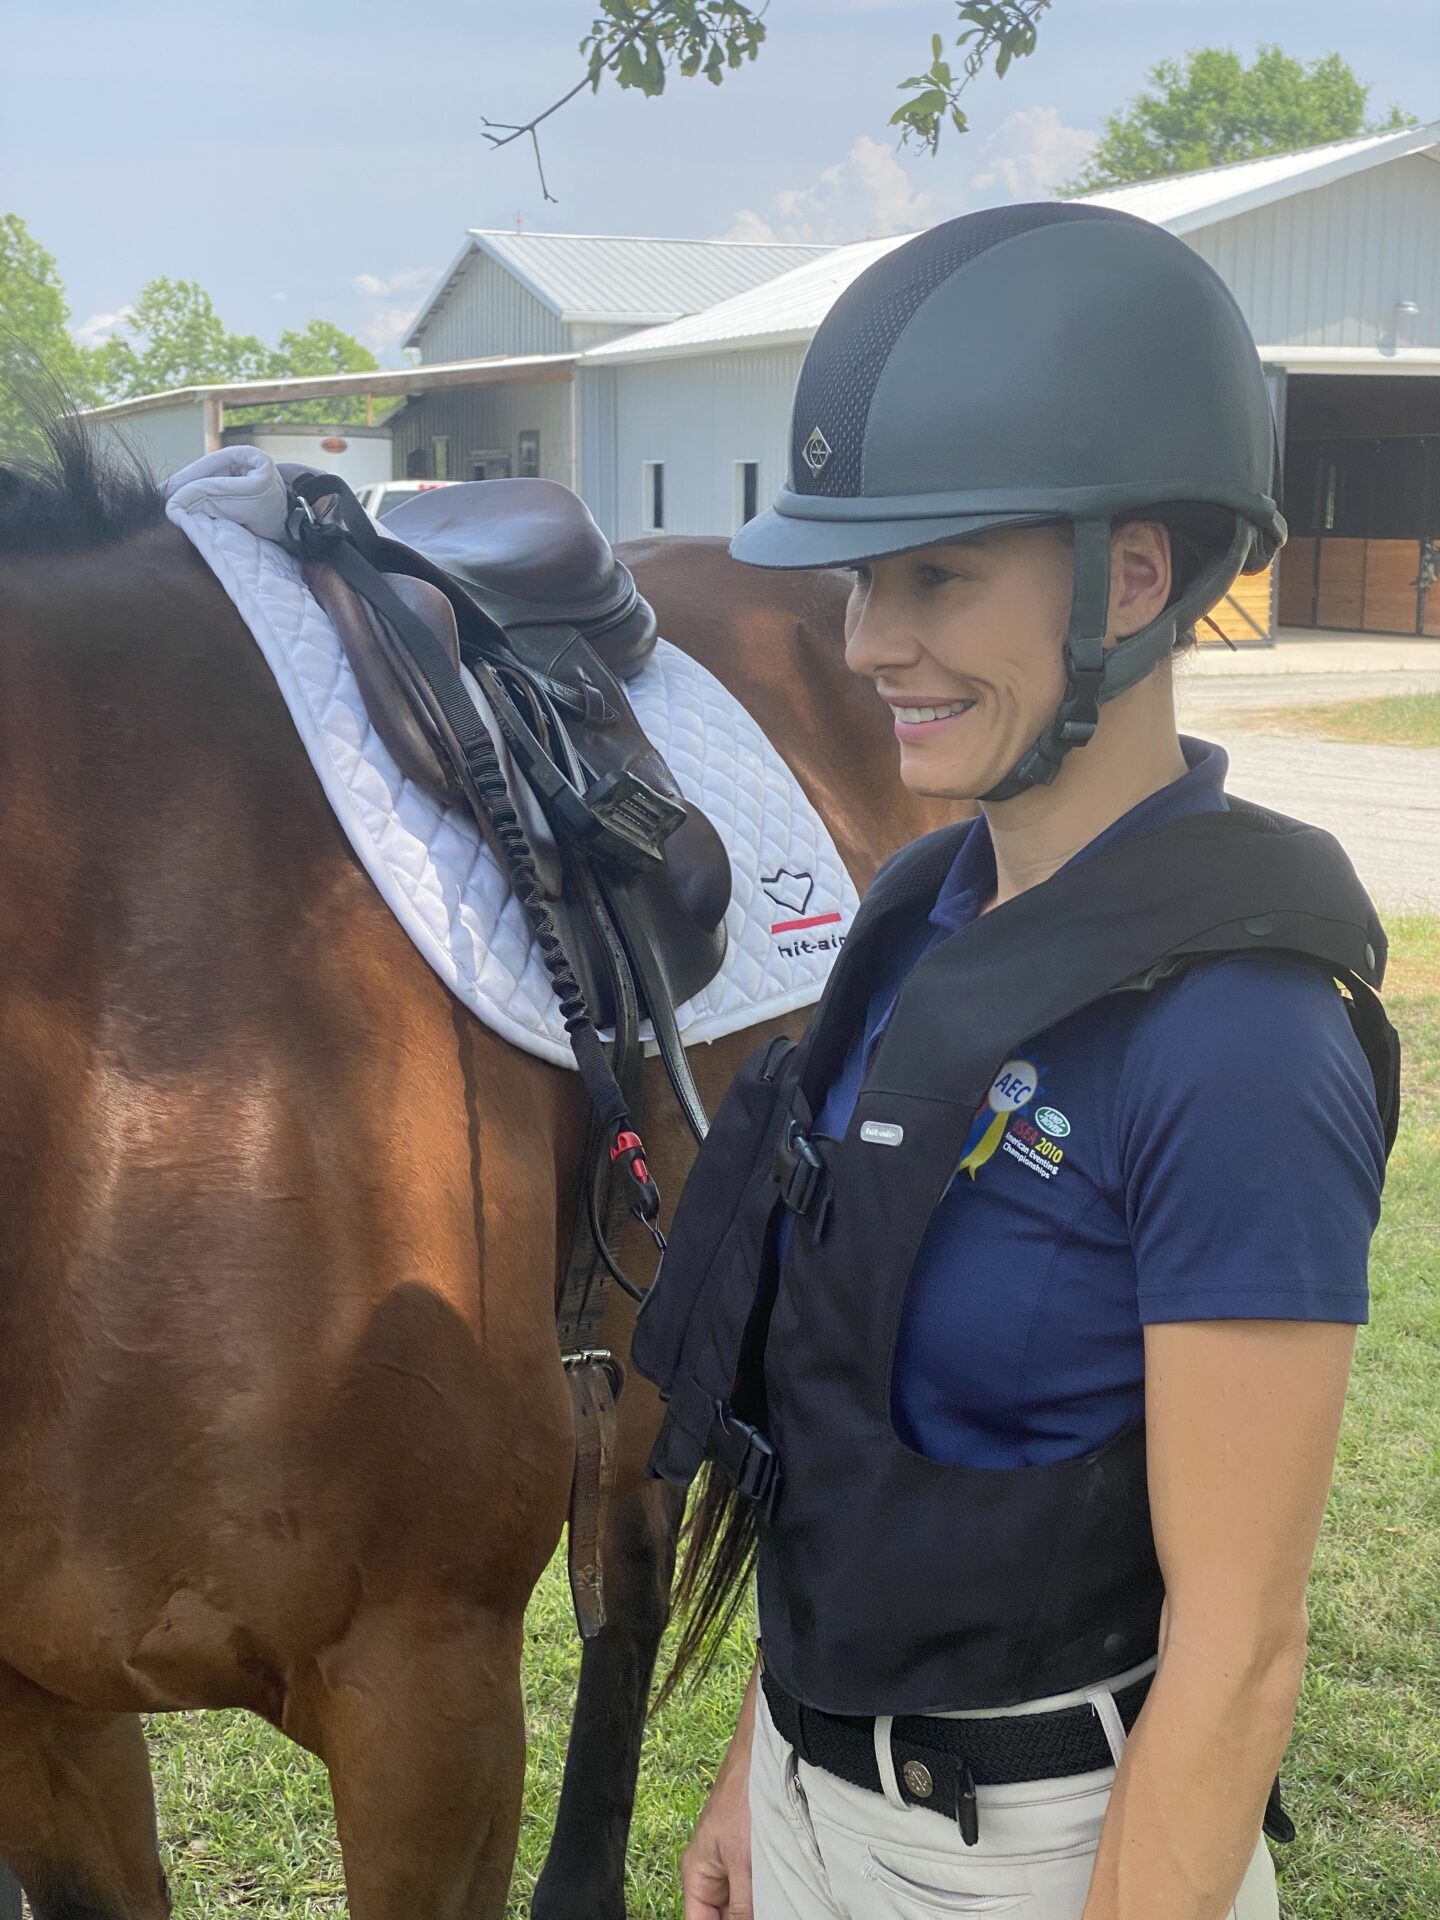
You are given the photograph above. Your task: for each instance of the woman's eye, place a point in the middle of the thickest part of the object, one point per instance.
(936, 576)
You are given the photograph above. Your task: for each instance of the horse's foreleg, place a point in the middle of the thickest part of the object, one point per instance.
(584, 1876)
(77, 1810)
(417, 1715)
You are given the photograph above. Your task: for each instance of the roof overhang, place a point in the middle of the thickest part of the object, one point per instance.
(1409, 360)
(1424, 140)
(520, 370)
(606, 356)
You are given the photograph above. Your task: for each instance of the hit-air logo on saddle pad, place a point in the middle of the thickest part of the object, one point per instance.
(817, 451)
(792, 891)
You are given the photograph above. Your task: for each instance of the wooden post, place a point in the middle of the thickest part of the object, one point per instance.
(369, 409)
(10, 1908)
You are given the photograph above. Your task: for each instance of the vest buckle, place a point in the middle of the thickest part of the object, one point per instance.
(746, 1458)
(799, 1169)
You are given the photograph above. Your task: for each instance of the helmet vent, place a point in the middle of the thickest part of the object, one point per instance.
(848, 354)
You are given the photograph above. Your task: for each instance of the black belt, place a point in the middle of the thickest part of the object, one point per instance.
(940, 1762)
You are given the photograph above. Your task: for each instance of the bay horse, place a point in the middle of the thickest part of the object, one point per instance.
(283, 1424)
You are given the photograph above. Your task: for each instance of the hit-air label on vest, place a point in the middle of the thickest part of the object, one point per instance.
(882, 1133)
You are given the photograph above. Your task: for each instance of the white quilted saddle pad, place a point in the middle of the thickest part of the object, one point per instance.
(793, 900)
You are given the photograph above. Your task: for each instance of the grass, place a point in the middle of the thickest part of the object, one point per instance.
(1397, 720)
(246, 1817)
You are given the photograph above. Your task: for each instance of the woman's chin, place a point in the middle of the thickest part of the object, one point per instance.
(932, 777)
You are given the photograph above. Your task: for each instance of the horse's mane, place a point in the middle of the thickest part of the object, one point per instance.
(70, 495)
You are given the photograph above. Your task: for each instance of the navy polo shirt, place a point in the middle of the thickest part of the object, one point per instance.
(1208, 1150)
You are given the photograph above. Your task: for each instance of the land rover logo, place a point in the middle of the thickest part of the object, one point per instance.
(1053, 1123)
(817, 451)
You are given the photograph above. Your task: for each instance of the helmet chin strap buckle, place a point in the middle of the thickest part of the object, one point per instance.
(1080, 714)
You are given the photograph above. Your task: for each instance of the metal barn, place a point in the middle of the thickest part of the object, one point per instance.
(551, 294)
(1334, 256)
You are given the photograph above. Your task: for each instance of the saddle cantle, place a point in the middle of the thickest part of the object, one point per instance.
(531, 555)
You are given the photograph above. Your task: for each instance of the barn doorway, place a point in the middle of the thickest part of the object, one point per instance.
(1362, 496)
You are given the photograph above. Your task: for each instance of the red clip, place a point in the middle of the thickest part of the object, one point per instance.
(629, 1142)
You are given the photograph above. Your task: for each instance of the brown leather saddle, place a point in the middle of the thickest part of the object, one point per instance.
(490, 629)
(571, 627)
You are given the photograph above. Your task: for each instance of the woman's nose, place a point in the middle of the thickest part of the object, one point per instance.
(878, 636)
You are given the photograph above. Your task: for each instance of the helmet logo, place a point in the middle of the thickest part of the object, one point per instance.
(817, 451)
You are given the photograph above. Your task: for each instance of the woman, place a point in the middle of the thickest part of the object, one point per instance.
(1020, 1298)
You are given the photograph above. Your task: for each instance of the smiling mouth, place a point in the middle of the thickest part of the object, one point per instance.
(916, 716)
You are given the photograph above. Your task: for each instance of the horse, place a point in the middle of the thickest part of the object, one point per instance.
(283, 1423)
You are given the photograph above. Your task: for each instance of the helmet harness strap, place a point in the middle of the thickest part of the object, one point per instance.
(1095, 674)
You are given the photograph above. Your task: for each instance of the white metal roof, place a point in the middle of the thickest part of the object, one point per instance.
(621, 279)
(1185, 201)
(500, 370)
(787, 309)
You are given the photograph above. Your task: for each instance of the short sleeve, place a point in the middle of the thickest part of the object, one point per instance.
(1251, 1149)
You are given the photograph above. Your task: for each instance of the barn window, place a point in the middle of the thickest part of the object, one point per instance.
(654, 496)
(747, 491)
(528, 448)
(415, 464)
(440, 457)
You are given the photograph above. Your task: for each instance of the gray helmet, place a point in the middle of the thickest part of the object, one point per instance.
(1029, 364)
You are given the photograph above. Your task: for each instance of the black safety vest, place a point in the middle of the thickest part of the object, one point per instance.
(890, 1582)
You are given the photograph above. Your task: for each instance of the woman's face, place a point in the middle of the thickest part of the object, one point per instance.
(964, 641)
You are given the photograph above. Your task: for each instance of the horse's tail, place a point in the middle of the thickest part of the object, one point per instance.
(721, 1536)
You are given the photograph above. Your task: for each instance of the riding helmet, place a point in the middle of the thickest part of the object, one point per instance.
(1028, 364)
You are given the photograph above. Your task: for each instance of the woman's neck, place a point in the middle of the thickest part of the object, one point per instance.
(1134, 753)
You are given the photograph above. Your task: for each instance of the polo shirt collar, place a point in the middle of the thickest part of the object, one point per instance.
(971, 879)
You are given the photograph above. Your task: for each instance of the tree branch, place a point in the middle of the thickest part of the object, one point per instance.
(506, 132)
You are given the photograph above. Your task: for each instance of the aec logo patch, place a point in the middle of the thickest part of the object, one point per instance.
(1000, 1124)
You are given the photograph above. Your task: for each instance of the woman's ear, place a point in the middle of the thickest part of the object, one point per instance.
(1139, 576)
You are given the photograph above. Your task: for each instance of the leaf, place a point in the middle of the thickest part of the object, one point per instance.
(937, 46)
(630, 70)
(957, 114)
(1002, 63)
(931, 101)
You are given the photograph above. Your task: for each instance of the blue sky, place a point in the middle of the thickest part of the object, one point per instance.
(303, 159)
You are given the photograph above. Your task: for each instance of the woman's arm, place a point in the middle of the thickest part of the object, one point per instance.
(1242, 1419)
(715, 1868)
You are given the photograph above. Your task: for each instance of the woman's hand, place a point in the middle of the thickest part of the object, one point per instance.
(715, 1867)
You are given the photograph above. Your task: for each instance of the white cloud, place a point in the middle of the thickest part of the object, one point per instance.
(1027, 157)
(384, 330)
(864, 196)
(390, 302)
(100, 326)
(375, 286)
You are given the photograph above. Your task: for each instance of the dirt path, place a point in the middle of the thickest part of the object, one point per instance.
(1382, 802)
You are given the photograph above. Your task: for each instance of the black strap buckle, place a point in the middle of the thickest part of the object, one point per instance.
(1080, 714)
(634, 810)
(745, 1457)
(799, 1169)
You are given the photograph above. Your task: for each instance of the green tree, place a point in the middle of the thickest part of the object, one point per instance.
(173, 337)
(35, 341)
(318, 348)
(1210, 108)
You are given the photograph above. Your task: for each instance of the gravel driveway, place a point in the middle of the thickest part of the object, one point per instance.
(1382, 803)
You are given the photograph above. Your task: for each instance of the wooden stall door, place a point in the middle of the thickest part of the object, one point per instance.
(1340, 598)
(1297, 583)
